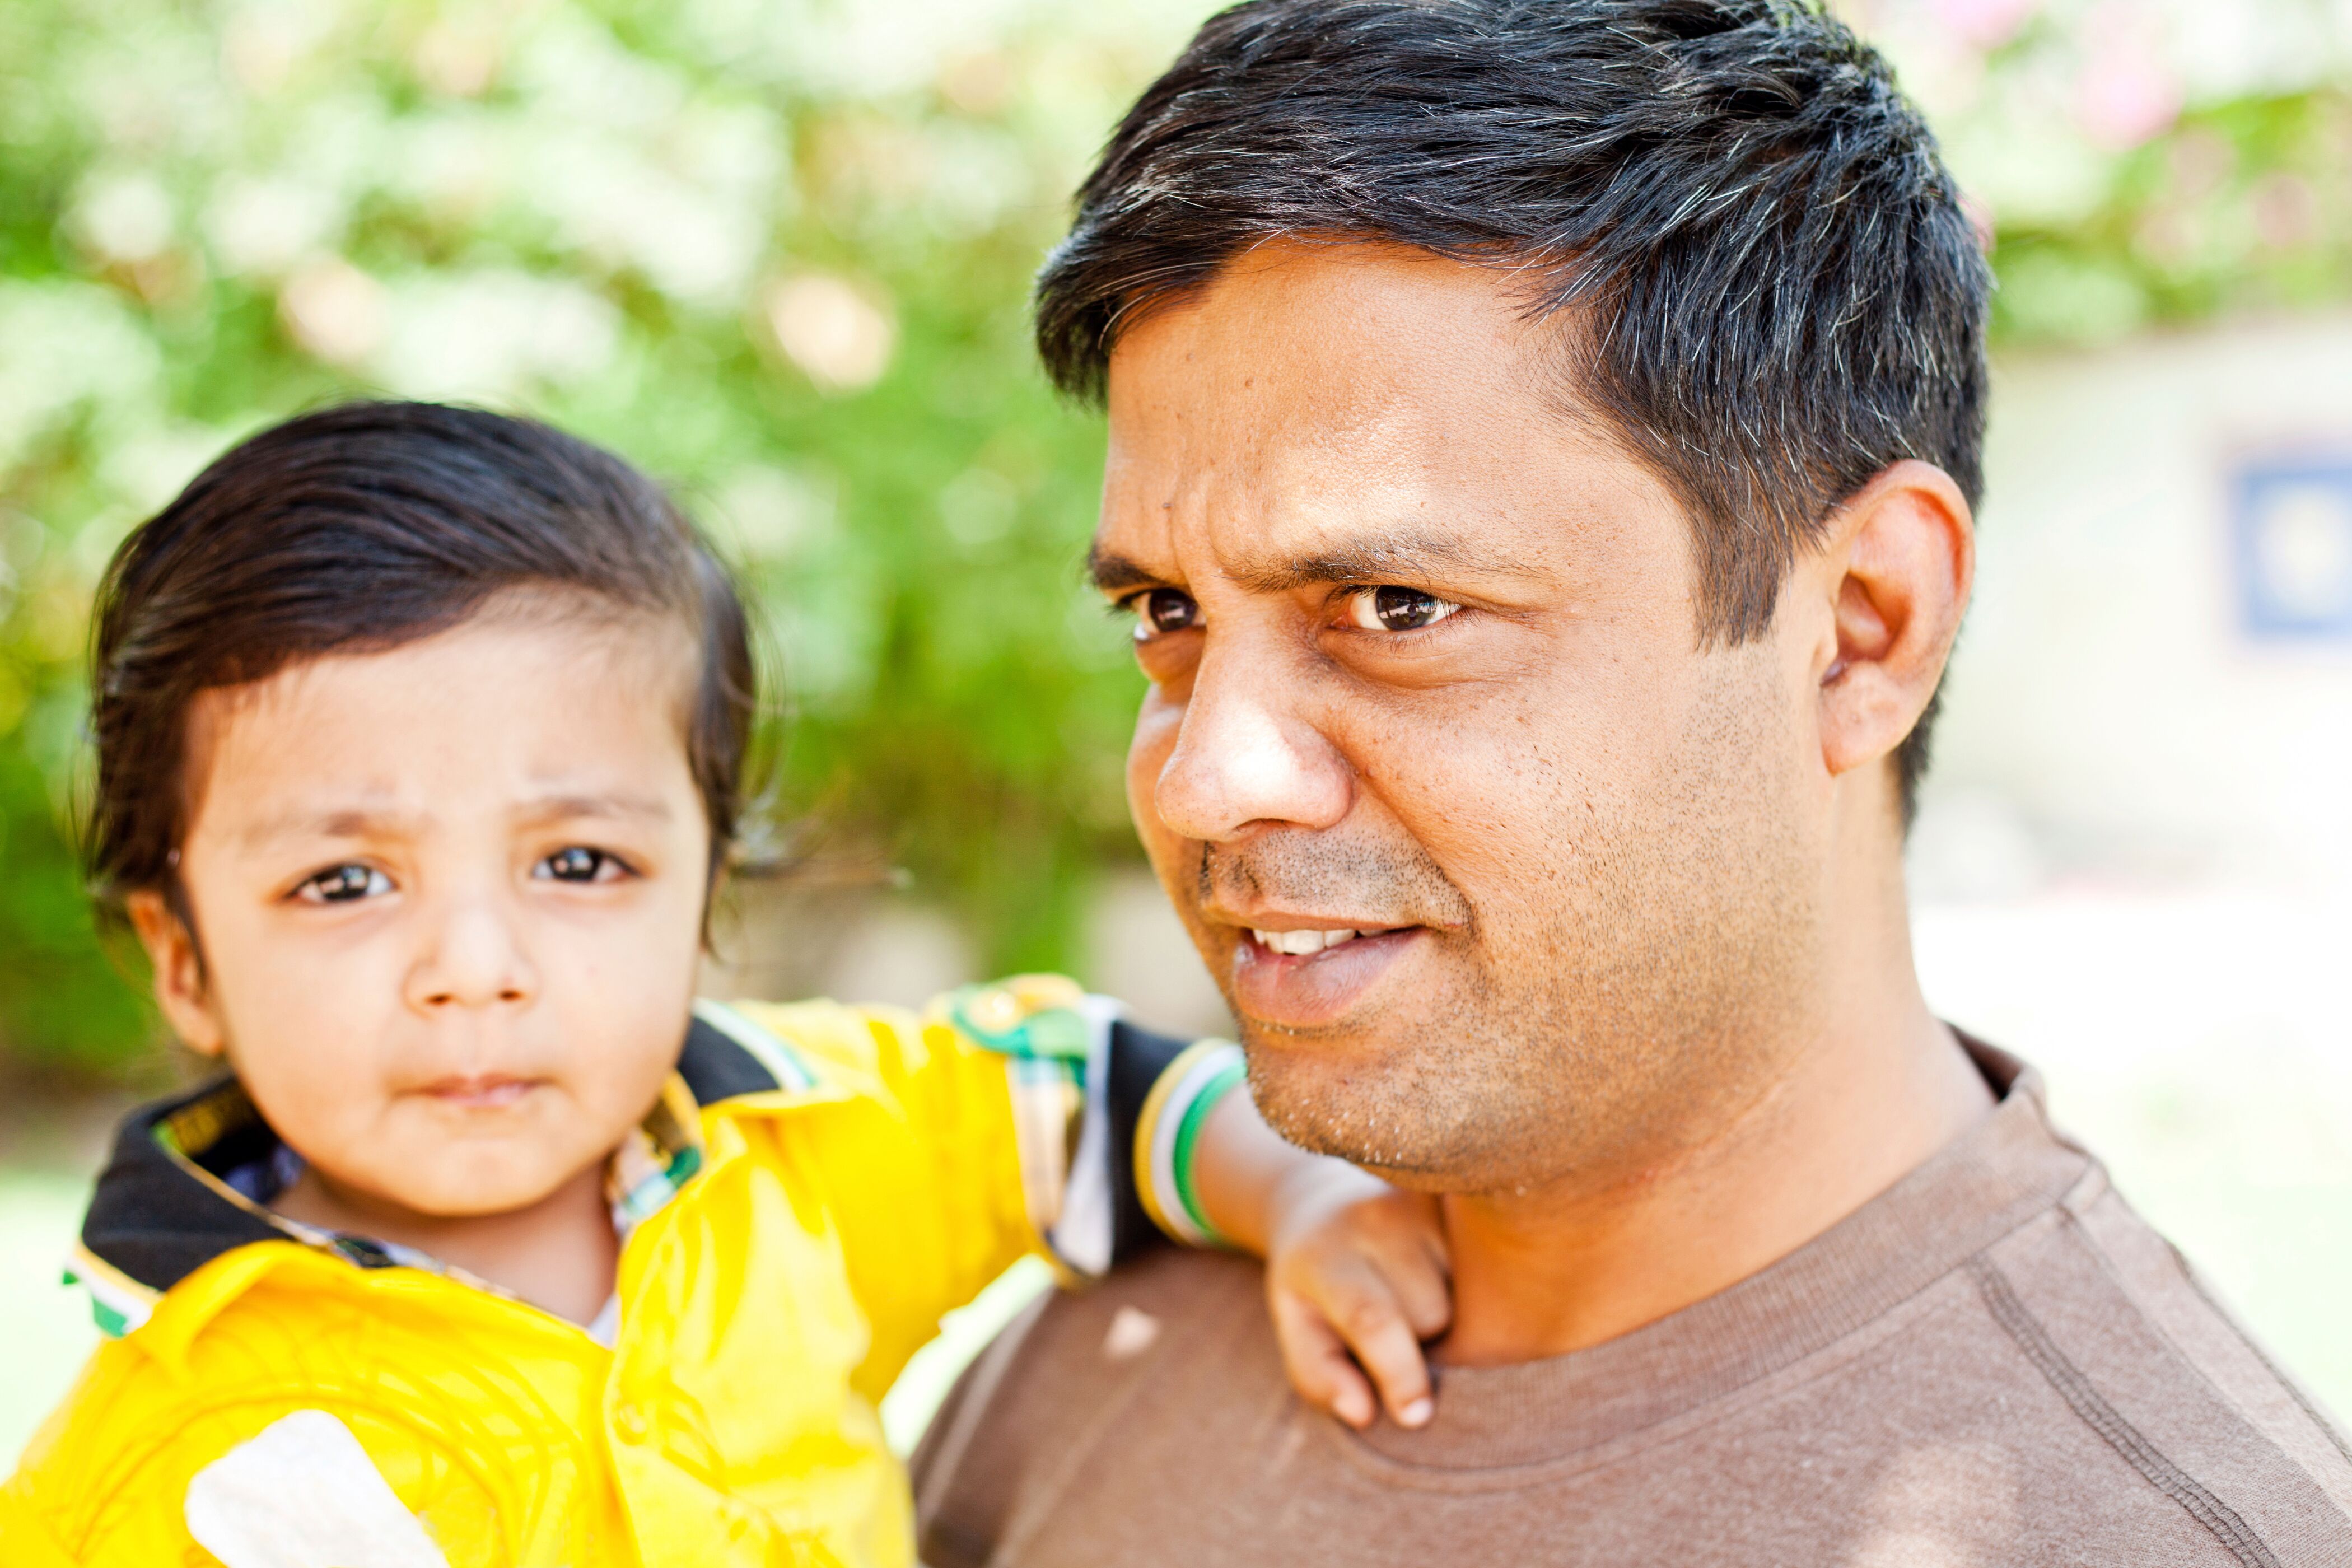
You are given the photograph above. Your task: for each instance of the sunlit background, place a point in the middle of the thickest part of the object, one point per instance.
(776, 251)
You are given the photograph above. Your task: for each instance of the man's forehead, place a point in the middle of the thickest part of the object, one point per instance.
(1345, 412)
(1294, 344)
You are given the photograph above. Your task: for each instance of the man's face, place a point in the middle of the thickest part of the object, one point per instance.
(1425, 687)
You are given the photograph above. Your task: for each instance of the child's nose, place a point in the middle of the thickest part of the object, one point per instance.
(476, 959)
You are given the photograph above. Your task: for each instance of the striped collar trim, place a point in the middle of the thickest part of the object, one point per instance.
(784, 1067)
(163, 1207)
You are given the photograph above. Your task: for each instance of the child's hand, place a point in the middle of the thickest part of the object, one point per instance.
(1355, 1265)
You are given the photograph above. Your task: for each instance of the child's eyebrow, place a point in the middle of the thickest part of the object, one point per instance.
(369, 822)
(618, 804)
(338, 822)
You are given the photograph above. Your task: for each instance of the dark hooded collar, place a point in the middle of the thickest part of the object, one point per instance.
(164, 1207)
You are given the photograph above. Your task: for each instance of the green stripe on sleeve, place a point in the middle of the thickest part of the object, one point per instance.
(1188, 1133)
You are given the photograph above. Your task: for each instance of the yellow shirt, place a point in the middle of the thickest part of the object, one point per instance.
(842, 1177)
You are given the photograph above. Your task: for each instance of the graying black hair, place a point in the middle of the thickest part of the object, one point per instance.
(1779, 293)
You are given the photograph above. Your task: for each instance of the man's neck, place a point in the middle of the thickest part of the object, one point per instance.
(1875, 1087)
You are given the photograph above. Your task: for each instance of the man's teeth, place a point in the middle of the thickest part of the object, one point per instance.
(1301, 943)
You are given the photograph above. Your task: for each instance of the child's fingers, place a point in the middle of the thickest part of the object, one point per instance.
(1401, 1239)
(1317, 1359)
(1357, 1299)
(1418, 1270)
(1377, 1332)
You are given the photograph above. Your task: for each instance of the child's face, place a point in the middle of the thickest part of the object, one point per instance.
(449, 899)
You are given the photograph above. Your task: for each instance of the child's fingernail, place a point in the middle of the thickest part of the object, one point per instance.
(1417, 1414)
(1352, 1411)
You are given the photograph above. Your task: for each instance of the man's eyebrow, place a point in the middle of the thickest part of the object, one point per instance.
(1112, 572)
(1406, 556)
(1398, 556)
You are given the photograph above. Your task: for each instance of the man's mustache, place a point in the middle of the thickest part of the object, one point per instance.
(1374, 883)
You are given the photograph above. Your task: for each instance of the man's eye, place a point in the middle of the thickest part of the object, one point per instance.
(578, 863)
(1392, 609)
(344, 885)
(1161, 611)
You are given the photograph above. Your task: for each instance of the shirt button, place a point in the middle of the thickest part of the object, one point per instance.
(631, 1422)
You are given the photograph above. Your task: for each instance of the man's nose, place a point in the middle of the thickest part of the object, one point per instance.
(474, 956)
(1244, 755)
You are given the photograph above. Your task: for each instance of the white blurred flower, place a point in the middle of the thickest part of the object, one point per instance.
(343, 140)
(67, 344)
(264, 41)
(452, 163)
(882, 46)
(123, 217)
(774, 513)
(334, 310)
(840, 338)
(571, 67)
(484, 334)
(458, 58)
(729, 149)
(694, 245)
(572, 331)
(975, 177)
(151, 465)
(690, 246)
(263, 226)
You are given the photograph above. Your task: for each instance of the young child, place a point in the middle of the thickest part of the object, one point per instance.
(420, 740)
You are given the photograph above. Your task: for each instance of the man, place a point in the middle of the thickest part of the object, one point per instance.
(1543, 442)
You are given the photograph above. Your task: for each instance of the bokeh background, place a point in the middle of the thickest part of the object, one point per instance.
(777, 252)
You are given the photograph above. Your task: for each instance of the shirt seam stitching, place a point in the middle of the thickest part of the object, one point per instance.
(2076, 1387)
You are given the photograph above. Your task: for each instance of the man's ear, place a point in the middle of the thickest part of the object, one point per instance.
(179, 988)
(1900, 557)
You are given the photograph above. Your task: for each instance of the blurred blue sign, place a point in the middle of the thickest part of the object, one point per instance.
(2291, 536)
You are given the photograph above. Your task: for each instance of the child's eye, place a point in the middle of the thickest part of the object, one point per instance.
(344, 884)
(578, 863)
(1394, 609)
(1160, 612)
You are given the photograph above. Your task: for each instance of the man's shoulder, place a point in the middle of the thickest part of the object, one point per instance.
(2119, 1325)
(1072, 1371)
(2072, 1384)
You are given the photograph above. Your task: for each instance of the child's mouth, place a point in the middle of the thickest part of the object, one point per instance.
(484, 1092)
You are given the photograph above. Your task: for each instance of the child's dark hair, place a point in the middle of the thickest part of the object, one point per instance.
(362, 526)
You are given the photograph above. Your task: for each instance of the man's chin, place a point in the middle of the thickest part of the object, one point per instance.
(1333, 1093)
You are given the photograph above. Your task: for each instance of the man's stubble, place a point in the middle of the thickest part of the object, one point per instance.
(1628, 973)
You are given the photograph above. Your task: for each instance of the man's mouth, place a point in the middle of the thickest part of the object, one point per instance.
(1312, 975)
(1305, 943)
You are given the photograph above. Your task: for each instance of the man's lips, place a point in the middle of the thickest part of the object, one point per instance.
(1307, 941)
(1300, 976)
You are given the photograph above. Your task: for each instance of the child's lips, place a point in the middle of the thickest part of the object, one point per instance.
(482, 1092)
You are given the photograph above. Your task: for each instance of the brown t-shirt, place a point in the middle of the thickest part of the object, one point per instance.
(1996, 1362)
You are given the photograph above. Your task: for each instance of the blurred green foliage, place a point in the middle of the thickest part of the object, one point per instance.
(777, 252)
(2240, 207)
